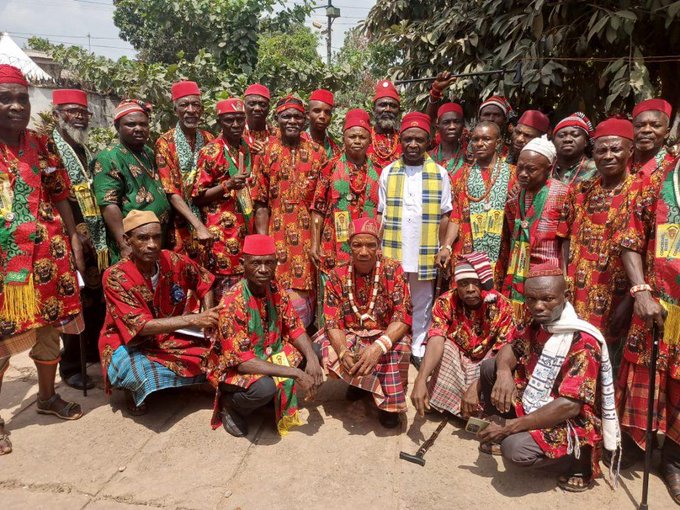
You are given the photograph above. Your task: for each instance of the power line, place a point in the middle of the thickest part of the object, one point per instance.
(80, 46)
(19, 34)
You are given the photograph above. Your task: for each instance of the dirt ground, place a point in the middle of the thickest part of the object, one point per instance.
(341, 458)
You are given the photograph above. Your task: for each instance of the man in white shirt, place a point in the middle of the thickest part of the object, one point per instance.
(414, 207)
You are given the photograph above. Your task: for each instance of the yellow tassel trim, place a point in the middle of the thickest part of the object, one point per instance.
(288, 422)
(103, 259)
(21, 304)
(671, 326)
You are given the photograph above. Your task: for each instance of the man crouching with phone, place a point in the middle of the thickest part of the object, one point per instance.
(540, 391)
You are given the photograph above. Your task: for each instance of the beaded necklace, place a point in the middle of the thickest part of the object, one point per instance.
(349, 285)
(379, 150)
(487, 189)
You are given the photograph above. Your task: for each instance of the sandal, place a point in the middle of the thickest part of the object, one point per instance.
(671, 478)
(65, 410)
(576, 482)
(133, 408)
(5, 443)
(490, 448)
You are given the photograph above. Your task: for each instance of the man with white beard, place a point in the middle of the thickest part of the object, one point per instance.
(70, 136)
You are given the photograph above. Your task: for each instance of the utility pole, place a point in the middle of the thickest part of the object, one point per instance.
(89, 42)
(332, 13)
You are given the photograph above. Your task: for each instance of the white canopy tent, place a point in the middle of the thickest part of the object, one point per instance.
(11, 54)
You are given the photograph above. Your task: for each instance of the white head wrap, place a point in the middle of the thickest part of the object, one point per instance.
(542, 146)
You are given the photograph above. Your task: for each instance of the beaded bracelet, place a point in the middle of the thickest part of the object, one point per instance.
(640, 288)
(386, 341)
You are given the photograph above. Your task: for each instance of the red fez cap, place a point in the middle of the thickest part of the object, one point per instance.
(69, 96)
(323, 95)
(499, 101)
(290, 101)
(417, 120)
(128, 106)
(11, 74)
(184, 88)
(450, 107)
(546, 269)
(364, 225)
(386, 89)
(357, 118)
(660, 105)
(578, 120)
(257, 89)
(231, 105)
(535, 119)
(259, 244)
(614, 127)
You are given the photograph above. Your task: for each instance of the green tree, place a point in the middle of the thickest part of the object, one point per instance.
(599, 57)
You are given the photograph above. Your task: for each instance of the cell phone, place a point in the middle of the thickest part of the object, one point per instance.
(476, 425)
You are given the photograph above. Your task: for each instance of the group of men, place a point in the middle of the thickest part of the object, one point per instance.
(210, 257)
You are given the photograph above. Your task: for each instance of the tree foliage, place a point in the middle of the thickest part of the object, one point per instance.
(593, 56)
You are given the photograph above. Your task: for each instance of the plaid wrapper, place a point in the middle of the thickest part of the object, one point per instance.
(131, 370)
(453, 376)
(389, 380)
(632, 402)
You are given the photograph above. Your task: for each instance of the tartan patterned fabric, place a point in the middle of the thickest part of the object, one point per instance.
(631, 402)
(431, 200)
(389, 380)
(131, 370)
(452, 377)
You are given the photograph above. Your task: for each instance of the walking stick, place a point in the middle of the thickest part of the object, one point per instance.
(418, 457)
(516, 79)
(649, 440)
(83, 362)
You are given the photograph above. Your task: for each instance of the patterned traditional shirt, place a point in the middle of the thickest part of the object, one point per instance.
(584, 170)
(285, 181)
(343, 194)
(223, 217)
(591, 218)
(131, 302)
(392, 302)
(129, 181)
(176, 181)
(577, 380)
(234, 341)
(475, 332)
(52, 266)
(384, 149)
(653, 231)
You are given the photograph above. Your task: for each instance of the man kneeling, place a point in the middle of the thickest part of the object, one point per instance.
(368, 315)
(470, 323)
(259, 344)
(547, 412)
(146, 294)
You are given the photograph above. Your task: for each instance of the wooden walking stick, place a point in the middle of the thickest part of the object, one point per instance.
(418, 457)
(649, 440)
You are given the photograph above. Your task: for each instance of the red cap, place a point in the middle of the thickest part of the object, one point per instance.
(357, 118)
(323, 95)
(660, 105)
(290, 101)
(417, 120)
(259, 244)
(499, 101)
(386, 89)
(231, 105)
(184, 88)
(450, 107)
(11, 74)
(257, 89)
(535, 119)
(69, 96)
(547, 269)
(364, 225)
(128, 106)
(578, 120)
(614, 127)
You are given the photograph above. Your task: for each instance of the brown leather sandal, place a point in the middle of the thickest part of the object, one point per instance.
(65, 410)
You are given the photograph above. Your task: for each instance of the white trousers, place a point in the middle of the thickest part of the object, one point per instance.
(422, 294)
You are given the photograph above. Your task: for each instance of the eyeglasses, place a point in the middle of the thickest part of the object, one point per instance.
(77, 112)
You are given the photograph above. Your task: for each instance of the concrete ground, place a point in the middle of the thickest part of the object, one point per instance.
(341, 458)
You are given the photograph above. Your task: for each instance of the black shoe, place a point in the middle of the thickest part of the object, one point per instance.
(234, 423)
(388, 420)
(354, 393)
(416, 361)
(76, 381)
